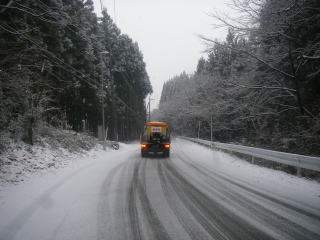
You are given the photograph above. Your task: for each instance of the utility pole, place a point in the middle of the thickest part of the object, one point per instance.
(147, 113)
(149, 109)
(211, 132)
(113, 106)
(102, 110)
(199, 129)
(102, 103)
(211, 128)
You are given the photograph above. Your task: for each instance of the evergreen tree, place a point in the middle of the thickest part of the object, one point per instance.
(60, 64)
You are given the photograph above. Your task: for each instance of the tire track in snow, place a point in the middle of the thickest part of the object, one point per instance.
(282, 226)
(183, 191)
(132, 204)
(218, 221)
(105, 225)
(149, 212)
(254, 191)
(180, 211)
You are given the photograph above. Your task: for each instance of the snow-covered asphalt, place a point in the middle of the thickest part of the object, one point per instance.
(195, 194)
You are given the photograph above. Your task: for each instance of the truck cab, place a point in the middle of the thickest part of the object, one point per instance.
(155, 139)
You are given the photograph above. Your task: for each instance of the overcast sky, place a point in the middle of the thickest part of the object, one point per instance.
(166, 31)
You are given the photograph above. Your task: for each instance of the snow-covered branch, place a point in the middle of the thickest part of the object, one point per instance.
(250, 54)
(311, 57)
(262, 87)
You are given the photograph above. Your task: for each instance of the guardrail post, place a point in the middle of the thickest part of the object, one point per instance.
(299, 172)
(252, 159)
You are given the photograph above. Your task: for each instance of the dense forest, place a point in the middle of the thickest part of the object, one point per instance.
(62, 65)
(260, 86)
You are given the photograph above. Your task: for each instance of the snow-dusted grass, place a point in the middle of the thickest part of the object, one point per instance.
(53, 148)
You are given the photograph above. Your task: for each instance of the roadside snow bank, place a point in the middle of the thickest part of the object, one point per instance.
(53, 148)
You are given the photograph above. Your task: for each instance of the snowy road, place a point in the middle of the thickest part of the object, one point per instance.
(195, 194)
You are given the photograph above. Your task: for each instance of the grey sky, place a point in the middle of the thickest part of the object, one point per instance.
(166, 31)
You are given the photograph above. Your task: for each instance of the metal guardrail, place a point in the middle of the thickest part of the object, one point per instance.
(296, 160)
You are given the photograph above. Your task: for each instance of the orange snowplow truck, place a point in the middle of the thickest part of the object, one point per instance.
(155, 139)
